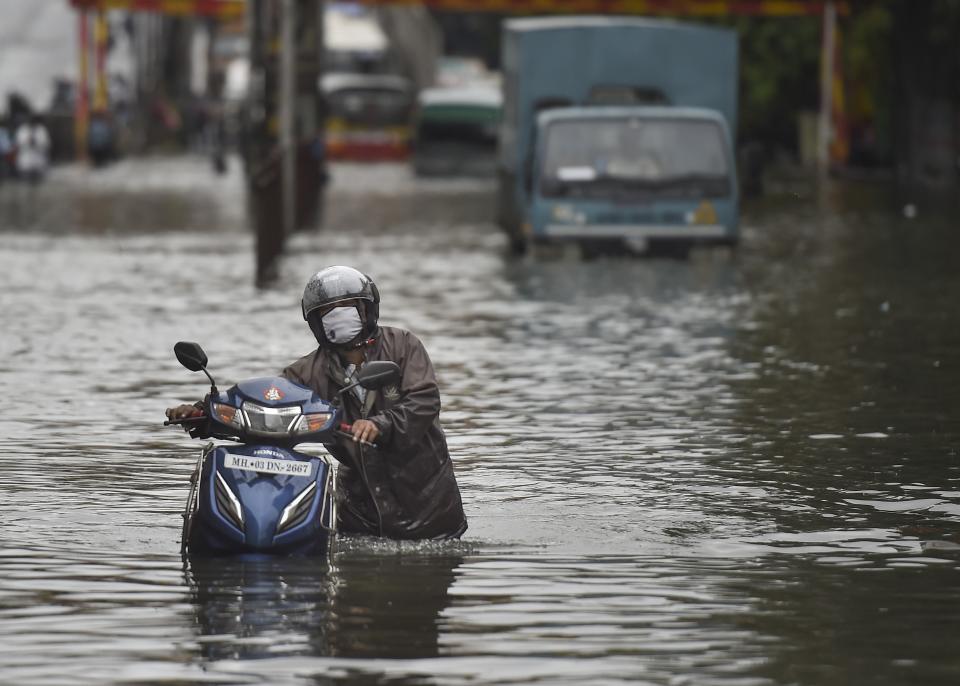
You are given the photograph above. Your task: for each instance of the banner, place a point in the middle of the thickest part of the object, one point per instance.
(232, 9)
(690, 8)
(224, 9)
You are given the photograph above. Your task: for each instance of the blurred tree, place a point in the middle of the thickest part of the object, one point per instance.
(779, 76)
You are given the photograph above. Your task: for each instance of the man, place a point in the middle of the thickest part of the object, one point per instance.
(33, 150)
(405, 488)
(6, 150)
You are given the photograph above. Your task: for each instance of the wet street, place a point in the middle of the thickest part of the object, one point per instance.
(740, 469)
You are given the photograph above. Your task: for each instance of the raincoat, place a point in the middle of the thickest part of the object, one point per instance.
(405, 489)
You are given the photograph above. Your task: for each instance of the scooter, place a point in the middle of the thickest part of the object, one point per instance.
(263, 496)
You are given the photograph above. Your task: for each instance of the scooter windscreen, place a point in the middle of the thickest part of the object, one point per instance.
(273, 408)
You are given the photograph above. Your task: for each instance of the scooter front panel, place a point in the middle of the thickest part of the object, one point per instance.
(264, 498)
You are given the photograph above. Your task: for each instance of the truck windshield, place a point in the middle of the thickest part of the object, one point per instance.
(370, 106)
(633, 156)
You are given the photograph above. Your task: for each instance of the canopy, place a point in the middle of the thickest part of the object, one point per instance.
(688, 8)
(716, 8)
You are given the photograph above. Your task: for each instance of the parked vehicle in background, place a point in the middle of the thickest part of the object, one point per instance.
(368, 116)
(455, 131)
(455, 71)
(354, 39)
(616, 134)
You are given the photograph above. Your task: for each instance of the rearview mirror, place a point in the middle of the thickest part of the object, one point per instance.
(378, 373)
(190, 355)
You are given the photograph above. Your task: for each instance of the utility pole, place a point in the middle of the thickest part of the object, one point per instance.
(288, 120)
(283, 145)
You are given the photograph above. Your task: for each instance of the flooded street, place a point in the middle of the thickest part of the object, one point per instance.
(741, 469)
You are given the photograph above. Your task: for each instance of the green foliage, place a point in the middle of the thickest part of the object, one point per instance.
(779, 75)
(867, 44)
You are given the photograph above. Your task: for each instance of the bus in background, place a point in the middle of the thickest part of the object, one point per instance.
(455, 131)
(617, 134)
(368, 116)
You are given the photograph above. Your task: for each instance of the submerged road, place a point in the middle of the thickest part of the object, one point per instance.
(740, 469)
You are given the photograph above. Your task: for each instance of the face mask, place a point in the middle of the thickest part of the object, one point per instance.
(342, 324)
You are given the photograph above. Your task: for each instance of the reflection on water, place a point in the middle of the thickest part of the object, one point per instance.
(740, 469)
(357, 605)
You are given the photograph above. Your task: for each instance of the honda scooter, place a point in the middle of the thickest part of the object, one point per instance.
(263, 496)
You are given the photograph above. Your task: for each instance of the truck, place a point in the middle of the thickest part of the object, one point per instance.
(616, 134)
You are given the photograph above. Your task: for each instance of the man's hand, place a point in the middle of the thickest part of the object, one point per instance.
(183, 412)
(364, 430)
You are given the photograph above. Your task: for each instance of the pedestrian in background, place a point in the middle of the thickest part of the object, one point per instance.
(33, 150)
(6, 152)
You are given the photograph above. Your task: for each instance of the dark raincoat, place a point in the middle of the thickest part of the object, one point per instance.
(406, 488)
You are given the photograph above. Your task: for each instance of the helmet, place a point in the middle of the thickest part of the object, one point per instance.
(332, 285)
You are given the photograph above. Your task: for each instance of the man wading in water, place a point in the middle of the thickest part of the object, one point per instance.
(406, 489)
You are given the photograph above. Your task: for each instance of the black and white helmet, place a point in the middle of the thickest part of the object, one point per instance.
(336, 284)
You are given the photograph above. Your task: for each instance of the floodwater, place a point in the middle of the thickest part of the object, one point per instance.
(741, 469)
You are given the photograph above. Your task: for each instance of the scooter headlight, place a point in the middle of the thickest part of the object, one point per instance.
(270, 421)
(311, 423)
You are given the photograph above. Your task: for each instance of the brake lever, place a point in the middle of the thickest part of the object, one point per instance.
(185, 420)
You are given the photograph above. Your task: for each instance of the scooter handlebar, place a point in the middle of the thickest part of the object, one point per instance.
(344, 429)
(185, 420)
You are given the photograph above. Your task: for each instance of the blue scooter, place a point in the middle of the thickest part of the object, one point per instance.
(263, 496)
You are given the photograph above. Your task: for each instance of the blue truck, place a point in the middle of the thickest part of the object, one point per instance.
(616, 132)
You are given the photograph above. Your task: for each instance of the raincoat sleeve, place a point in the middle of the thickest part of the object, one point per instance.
(404, 423)
(290, 374)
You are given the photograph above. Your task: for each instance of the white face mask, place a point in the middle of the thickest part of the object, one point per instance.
(342, 324)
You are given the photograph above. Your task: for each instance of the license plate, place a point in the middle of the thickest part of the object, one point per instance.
(261, 464)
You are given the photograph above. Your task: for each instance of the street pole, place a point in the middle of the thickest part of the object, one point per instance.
(287, 112)
(282, 146)
(260, 144)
